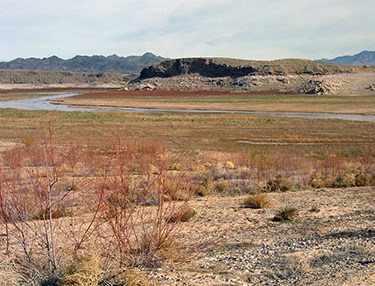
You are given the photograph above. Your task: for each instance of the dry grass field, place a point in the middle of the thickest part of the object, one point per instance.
(106, 198)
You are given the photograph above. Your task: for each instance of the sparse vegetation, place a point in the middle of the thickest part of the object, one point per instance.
(286, 214)
(109, 199)
(258, 201)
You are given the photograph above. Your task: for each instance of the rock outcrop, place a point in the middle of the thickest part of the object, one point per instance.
(220, 67)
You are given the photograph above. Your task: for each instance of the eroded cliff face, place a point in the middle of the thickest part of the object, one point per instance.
(201, 66)
(219, 67)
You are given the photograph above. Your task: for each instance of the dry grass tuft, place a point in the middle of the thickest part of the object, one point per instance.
(257, 201)
(131, 277)
(183, 215)
(286, 214)
(84, 271)
(345, 179)
(9, 276)
(278, 184)
(229, 165)
(221, 186)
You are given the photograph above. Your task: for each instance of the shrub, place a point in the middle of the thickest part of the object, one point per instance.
(229, 165)
(130, 277)
(14, 158)
(57, 211)
(152, 169)
(221, 186)
(9, 274)
(257, 201)
(202, 186)
(175, 167)
(85, 270)
(174, 191)
(260, 187)
(346, 179)
(184, 215)
(278, 184)
(286, 214)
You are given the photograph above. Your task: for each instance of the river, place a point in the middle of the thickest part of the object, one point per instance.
(45, 102)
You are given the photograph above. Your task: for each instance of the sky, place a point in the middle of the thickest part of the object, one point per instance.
(247, 29)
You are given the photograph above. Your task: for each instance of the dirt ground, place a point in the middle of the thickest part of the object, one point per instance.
(331, 242)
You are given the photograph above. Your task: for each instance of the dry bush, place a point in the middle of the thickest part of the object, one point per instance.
(229, 165)
(257, 201)
(29, 140)
(260, 187)
(286, 214)
(130, 277)
(84, 271)
(131, 214)
(183, 215)
(136, 233)
(10, 274)
(14, 158)
(343, 179)
(177, 190)
(56, 211)
(201, 185)
(221, 186)
(278, 184)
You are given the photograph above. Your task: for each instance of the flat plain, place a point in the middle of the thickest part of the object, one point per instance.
(322, 171)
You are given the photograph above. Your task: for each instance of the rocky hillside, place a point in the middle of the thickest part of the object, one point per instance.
(221, 67)
(114, 63)
(360, 59)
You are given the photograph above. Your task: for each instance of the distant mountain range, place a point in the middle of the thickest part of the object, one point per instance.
(114, 63)
(360, 59)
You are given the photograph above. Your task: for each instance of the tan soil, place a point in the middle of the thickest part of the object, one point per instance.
(332, 242)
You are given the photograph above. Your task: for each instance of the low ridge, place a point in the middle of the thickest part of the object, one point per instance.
(113, 63)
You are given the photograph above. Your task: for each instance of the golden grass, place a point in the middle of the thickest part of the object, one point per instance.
(84, 271)
(9, 273)
(214, 132)
(257, 201)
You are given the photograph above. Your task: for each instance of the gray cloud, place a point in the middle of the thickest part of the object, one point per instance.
(253, 29)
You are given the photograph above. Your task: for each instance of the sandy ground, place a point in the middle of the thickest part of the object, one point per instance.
(332, 242)
(357, 83)
(5, 146)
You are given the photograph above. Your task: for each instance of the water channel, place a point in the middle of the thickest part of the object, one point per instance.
(45, 102)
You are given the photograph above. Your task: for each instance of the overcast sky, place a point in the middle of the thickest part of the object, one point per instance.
(249, 29)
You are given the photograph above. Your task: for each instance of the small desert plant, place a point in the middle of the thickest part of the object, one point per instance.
(286, 214)
(202, 186)
(56, 211)
(260, 187)
(229, 165)
(345, 179)
(9, 274)
(130, 277)
(318, 181)
(221, 186)
(184, 215)
(175, 191)
(257, 201)
(85, 270)
(14, 158)
(279, 184)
